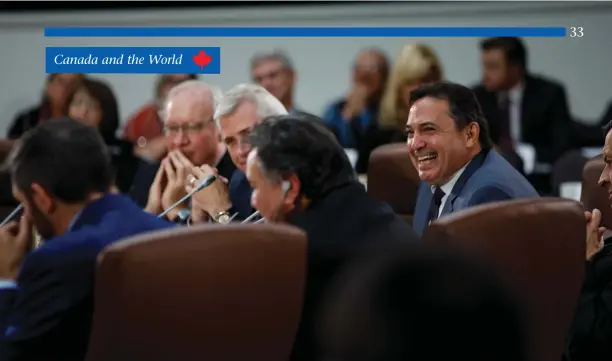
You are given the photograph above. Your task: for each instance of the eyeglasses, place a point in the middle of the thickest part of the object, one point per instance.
(174, 129)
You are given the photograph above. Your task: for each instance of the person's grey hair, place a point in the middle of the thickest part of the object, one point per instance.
(267, 104)
(206, 90)
(272, 55)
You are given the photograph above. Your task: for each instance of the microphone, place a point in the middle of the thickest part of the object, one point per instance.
(205, 183)
(11, 215)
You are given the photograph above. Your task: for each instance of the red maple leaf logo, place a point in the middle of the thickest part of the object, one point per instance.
(202, 59)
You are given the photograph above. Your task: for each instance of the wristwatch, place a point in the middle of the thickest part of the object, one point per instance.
(222, 217)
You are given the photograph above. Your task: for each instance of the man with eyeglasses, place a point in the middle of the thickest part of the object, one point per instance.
(241, 108)
(192, 140)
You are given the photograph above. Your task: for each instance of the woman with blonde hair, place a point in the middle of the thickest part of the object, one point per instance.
(417, 64)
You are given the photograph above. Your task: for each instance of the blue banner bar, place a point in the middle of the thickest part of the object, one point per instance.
(306, 32)
(133, 60)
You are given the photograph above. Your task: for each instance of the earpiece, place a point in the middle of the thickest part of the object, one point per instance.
(286, 186)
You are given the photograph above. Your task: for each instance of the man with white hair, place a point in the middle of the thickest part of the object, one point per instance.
(240, 109)
(192, 139)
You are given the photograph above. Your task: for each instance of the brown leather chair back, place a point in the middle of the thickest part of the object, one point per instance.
(568, 168)
(393, 179)
(203, 293)
(594, 196)
(538, 246)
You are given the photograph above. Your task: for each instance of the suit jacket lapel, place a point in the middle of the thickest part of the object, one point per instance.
(471, 168)
(422, 208)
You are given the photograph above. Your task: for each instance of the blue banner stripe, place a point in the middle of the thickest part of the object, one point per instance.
(133, 60)
(306, 32)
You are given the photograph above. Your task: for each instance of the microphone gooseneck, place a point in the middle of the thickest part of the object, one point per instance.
(11, 215)
(251, 217)
(205, 183)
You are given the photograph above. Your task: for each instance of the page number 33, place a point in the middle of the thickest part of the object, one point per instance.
(576, 32)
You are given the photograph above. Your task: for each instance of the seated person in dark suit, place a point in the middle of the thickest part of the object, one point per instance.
(449, 145)
(240, 109)
(420, 304)
(62, 175)
(522, 107)
(193, 140)
(301, 176)
(591, 333)
(93, 103)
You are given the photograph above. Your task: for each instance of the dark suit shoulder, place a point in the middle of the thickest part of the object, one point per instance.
(543, 82)
(226, 166)
(479, 88)
(23, 121)
(142, 181)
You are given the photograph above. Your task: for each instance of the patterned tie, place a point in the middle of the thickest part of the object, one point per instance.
(436, 201)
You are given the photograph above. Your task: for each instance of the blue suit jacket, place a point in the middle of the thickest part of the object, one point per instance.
(487, 178)
(48, 315)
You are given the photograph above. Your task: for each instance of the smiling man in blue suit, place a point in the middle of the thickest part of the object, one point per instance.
(62, 175)
(449, 145)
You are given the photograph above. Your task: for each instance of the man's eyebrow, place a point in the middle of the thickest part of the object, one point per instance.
(425, 123)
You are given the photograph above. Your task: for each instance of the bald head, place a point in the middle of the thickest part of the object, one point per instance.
(373, 58)
(193, 99)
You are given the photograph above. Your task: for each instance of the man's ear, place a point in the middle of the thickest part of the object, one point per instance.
(42, 199)
(293, 192)
(472, 134)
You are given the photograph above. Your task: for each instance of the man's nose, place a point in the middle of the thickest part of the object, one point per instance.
(179, 138)
(416, 143)
(265, 81)
(604, 178)
(244, 149)
(79, 112)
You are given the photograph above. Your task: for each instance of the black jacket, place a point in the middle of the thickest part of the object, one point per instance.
(590, 337)
(25, 121)
(340, 225)
(545, 116)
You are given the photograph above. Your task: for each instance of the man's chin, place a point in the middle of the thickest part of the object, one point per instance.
(428, 176)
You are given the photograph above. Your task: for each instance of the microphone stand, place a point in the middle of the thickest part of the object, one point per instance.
(251, 217)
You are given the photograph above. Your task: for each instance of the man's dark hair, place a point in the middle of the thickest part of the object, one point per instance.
(464, 108)
(302, 145)
(417, 303)
(68, 159)
(513, 48)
